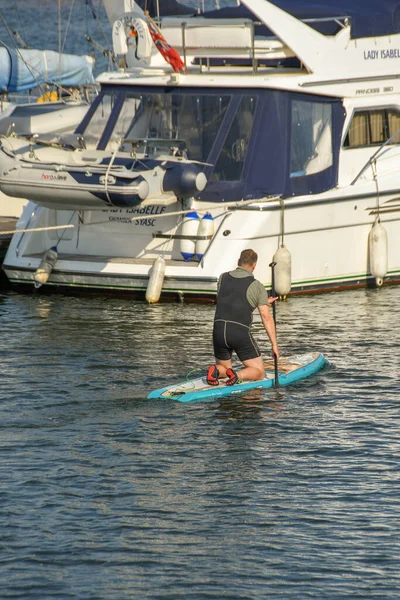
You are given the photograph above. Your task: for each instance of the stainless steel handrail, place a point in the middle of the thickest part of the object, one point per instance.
(374, 156)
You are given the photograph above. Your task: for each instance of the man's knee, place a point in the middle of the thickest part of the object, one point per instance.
(260, 375)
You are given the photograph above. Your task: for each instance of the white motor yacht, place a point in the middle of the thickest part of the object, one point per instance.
(272, 126)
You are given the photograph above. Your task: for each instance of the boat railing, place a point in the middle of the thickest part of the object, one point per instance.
(175, 146)
(341, 21)
(375, 156)
(206, 39)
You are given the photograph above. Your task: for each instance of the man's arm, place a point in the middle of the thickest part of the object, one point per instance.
(269, 327)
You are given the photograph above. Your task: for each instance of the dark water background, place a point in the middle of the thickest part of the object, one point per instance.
(61, 25)
(289, 493)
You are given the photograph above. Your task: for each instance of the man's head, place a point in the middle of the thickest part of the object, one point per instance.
(248, 258)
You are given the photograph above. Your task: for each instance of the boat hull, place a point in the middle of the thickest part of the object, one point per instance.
(113, 252)
(174, 289)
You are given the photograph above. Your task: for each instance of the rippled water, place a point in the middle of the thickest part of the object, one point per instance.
(289, 493)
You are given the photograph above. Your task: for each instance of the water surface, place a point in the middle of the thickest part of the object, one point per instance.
(289, 493)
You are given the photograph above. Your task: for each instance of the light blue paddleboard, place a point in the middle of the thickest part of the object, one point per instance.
(290, 370)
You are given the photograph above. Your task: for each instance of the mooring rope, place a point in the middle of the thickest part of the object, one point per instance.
(375, 175)
(282, 203)
(237, 204)
(34, 229)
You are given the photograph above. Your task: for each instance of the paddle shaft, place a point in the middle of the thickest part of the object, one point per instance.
(272, 265)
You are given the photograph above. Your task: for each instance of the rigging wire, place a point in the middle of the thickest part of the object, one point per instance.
(67, 25)
(99, 28)
(20, 19)
(16, 50)
(59, 44)
(9, 31)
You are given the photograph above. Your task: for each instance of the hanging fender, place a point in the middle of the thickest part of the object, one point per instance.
(283, 272)
(190, 227)
(46, 266)
(156, 279)
(206, 229)
(378, 252)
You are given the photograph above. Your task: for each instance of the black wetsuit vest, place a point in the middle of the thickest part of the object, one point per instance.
(232, 303)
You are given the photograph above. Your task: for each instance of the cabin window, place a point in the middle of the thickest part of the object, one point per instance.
(188, 120)
(373, 127)
(311, 138)
(97, 123)
(230, 163)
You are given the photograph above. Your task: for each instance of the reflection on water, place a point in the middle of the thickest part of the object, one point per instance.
(282, 493)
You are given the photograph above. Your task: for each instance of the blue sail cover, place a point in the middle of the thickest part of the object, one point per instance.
(369, 18)
(26, 69)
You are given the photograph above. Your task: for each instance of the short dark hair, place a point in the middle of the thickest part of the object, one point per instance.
(247, 257)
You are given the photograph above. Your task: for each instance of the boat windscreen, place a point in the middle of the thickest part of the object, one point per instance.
(96, 121)
(193, 117)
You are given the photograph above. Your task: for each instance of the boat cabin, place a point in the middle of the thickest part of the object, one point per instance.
(253, 143)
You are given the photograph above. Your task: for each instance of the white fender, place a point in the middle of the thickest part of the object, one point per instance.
(46, 266)
(283, 271)
(156, 279)
(378, 252)
(206, 228)
(190, 226)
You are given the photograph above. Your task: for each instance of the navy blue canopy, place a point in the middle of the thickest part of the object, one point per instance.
(368, 17)
(253, 142)
(167, 7)
(271, 165)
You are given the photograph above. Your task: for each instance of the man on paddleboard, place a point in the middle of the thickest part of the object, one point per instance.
(238, 295)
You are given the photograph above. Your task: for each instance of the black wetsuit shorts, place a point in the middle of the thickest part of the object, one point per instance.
(229, 336)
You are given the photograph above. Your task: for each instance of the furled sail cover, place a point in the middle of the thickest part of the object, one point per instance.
(26, 69)
(368, 17)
